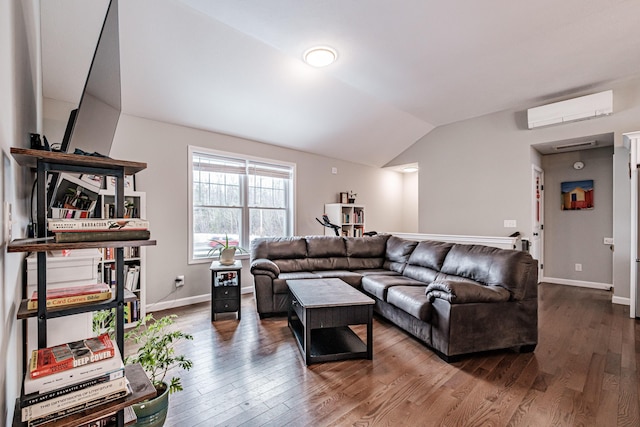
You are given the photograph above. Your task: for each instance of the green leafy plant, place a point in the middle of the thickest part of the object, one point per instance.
(105, 321)
(157, 353)
(222, 245)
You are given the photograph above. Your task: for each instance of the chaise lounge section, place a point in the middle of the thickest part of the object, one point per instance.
(457, 299)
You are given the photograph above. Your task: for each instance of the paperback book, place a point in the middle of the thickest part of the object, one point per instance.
(47, 361)
(62, 379)
(97, 224)
(75, 399)
(72, 295)
(114, 392)
(99, 236)
(35, 398)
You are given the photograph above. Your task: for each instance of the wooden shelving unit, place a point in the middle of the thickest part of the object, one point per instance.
(45, 162)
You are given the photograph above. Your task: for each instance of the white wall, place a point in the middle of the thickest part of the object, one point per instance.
(164, 148)
(576, 237)
(476, 173)
(410, 208)
(18, 110)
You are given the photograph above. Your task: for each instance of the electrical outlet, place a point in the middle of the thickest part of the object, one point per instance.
(578, 267)
(607, 241)
(334, 170)
(510, 223)
(179, 281)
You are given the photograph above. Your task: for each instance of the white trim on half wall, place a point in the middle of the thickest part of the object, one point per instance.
(580, 283)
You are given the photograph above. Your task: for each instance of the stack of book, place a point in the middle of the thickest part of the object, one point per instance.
(72, 295)
(70, 378)
(96, 230)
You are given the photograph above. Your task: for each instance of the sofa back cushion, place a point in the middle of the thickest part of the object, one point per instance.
(366, 252)
(397, 253)
(326, 246)
(510, 269)
(289, 253)
(426, 260)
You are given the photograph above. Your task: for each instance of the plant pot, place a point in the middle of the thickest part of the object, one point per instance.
(153, 412)
(227, 256)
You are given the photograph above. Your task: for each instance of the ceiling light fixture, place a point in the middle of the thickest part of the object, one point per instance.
(410, 169)
(320, 56)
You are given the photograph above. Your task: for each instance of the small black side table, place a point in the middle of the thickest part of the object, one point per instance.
(225, 288)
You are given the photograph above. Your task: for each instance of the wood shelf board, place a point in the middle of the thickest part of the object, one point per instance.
(141, 387)
(28, 245)
(29, 158)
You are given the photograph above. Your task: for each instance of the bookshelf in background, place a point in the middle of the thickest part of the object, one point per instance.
(349, 216)
(134, 257)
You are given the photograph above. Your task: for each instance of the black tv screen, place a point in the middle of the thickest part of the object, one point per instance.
(92, 127)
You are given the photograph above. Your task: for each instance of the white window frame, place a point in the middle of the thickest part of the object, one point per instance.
(292, 195)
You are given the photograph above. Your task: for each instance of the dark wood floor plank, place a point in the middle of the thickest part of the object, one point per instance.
(585, 371)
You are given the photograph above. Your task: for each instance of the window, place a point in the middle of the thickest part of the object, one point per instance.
(237, 197)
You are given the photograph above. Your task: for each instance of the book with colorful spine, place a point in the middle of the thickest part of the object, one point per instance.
(72, 295)
(47, 361)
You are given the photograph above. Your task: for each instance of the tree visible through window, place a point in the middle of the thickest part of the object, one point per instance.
(239, 198)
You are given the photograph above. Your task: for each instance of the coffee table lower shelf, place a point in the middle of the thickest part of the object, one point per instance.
(329, 344)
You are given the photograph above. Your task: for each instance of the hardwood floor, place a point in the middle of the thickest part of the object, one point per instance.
(584, 372)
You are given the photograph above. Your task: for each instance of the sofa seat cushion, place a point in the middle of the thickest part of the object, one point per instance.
(376, 272)
(378, 285)
(354, 279)
(280, 284)
(461, 292)
(411, 299)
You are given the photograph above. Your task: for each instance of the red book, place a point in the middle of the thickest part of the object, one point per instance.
(47, 361)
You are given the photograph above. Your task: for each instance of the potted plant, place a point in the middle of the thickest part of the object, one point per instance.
(226, 251)
(156, 354)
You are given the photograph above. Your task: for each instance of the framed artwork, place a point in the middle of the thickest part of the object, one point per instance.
(344, 197)
(577, 195)
(94, 180)
(129, 182)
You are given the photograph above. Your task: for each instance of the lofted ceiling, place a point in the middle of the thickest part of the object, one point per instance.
(404, 67)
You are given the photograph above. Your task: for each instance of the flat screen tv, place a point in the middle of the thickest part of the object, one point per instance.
(91, 128)
(92, 125)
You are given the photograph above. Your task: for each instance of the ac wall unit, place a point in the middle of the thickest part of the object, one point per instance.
(571, 110)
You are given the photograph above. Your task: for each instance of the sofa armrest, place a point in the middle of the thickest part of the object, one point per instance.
(266, 267)
(460, 292)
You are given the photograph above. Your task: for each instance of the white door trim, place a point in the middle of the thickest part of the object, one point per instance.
(537, 195)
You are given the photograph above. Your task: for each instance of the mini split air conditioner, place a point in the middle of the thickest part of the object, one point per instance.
(571, 110)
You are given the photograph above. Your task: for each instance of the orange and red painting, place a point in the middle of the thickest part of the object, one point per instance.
(577, 195)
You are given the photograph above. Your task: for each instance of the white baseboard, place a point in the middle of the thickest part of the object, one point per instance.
(621, 300)
(165, 305)
(568, 282)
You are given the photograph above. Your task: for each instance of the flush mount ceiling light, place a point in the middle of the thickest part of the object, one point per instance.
(320, 56)
(410, 169)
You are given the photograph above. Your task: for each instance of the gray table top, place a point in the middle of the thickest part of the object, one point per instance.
(315, 293)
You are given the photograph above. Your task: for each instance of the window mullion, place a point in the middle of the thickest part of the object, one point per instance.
(244, 180)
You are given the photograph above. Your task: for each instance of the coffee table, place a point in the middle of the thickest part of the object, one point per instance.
(320, 312)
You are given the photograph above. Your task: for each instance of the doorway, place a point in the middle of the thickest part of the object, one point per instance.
(574, 242)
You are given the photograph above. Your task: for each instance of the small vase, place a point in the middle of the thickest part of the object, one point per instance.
(227, 256)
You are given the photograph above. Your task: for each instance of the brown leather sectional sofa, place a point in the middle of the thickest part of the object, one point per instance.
(457, 299)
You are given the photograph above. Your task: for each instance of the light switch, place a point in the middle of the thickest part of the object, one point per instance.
(510, 223)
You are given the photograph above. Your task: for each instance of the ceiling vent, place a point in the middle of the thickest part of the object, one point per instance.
(571, 110)
(576, 146)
